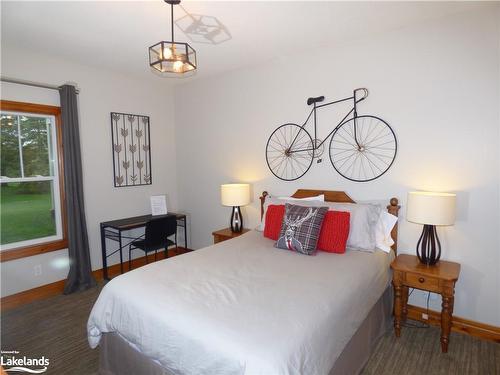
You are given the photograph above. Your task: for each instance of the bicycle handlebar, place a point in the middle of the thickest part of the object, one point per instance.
(365, 94)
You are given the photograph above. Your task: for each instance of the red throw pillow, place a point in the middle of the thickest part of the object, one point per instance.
(334, 232)
(274, 218)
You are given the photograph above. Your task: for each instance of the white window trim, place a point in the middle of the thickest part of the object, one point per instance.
(56, 196)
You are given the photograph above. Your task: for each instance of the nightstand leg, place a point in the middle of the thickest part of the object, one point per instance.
(398, 308)
(405, 303)
(446, 314)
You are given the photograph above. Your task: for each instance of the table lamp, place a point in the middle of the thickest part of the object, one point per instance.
(430, 209)
(235, 195)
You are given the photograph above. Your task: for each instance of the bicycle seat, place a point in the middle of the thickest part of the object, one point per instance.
(318, 99)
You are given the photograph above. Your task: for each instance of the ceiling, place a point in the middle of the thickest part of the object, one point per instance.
(115, 34)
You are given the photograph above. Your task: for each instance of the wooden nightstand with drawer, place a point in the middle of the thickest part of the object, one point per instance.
(226, 234)
(439, 278)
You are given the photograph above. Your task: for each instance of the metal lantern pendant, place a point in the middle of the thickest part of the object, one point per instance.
(171, 56)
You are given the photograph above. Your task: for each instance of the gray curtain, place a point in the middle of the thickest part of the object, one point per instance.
(80, 271)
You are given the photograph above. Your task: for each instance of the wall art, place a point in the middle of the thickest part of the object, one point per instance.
(131, 149)
(362, 147)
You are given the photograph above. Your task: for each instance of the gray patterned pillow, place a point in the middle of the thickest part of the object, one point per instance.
(300, 228)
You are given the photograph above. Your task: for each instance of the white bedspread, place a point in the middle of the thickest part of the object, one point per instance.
(243, 307)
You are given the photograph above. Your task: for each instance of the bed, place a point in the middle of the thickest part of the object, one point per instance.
(245, 307)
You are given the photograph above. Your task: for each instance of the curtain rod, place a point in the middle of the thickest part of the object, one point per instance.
(34, 84)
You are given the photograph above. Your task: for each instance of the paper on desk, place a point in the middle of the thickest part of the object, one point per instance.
(158, 205)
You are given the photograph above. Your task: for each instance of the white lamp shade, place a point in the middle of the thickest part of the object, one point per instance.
(235, 194)
(431, 208)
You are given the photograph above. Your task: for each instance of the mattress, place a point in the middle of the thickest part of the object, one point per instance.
(242, 307)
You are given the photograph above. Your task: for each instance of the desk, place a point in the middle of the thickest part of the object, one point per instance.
(113, 230)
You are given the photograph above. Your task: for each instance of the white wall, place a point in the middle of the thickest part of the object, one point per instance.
(436, 83)
(101, 93)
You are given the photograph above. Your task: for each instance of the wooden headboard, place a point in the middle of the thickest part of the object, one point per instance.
(340, 197)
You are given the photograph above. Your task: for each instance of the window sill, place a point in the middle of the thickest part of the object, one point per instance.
(28, 251)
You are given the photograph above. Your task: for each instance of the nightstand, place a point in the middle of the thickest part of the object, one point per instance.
(226, 234)
(439, 278)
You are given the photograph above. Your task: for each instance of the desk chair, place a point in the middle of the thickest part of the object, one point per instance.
(155, 237)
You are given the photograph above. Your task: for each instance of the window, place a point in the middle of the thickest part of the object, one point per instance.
(31, 189)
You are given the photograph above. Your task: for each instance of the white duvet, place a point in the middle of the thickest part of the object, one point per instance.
(242, 307)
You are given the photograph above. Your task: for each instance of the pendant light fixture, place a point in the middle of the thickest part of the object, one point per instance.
(171, 56)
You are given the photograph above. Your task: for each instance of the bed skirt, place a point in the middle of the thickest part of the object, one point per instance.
(117, 357)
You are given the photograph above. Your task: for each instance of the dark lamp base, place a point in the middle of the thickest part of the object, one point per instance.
(236, 220)
(428, 246)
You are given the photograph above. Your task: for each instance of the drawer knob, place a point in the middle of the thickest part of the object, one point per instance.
(421, 279)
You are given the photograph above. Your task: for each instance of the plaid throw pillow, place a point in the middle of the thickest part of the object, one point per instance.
(300, 228)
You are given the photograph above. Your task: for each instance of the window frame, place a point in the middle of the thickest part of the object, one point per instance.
(59, 244)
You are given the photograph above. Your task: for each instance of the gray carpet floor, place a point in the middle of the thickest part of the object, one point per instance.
(56, 328)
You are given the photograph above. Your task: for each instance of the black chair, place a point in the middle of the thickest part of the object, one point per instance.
(155, 237)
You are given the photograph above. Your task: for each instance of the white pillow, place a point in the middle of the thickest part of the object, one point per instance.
(363, 220)
(316, 201)
(383, 229)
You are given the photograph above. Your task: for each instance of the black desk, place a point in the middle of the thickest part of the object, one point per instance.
(113, 230)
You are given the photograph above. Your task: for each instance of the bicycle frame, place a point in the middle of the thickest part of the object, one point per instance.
(313, 112)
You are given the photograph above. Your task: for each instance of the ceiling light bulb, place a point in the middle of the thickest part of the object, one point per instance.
(168, 52)
(178, 66)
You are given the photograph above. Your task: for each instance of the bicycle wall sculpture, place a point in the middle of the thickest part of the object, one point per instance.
(362, 147)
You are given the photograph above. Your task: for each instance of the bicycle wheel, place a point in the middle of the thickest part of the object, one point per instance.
(371, 156)
(286, 161)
